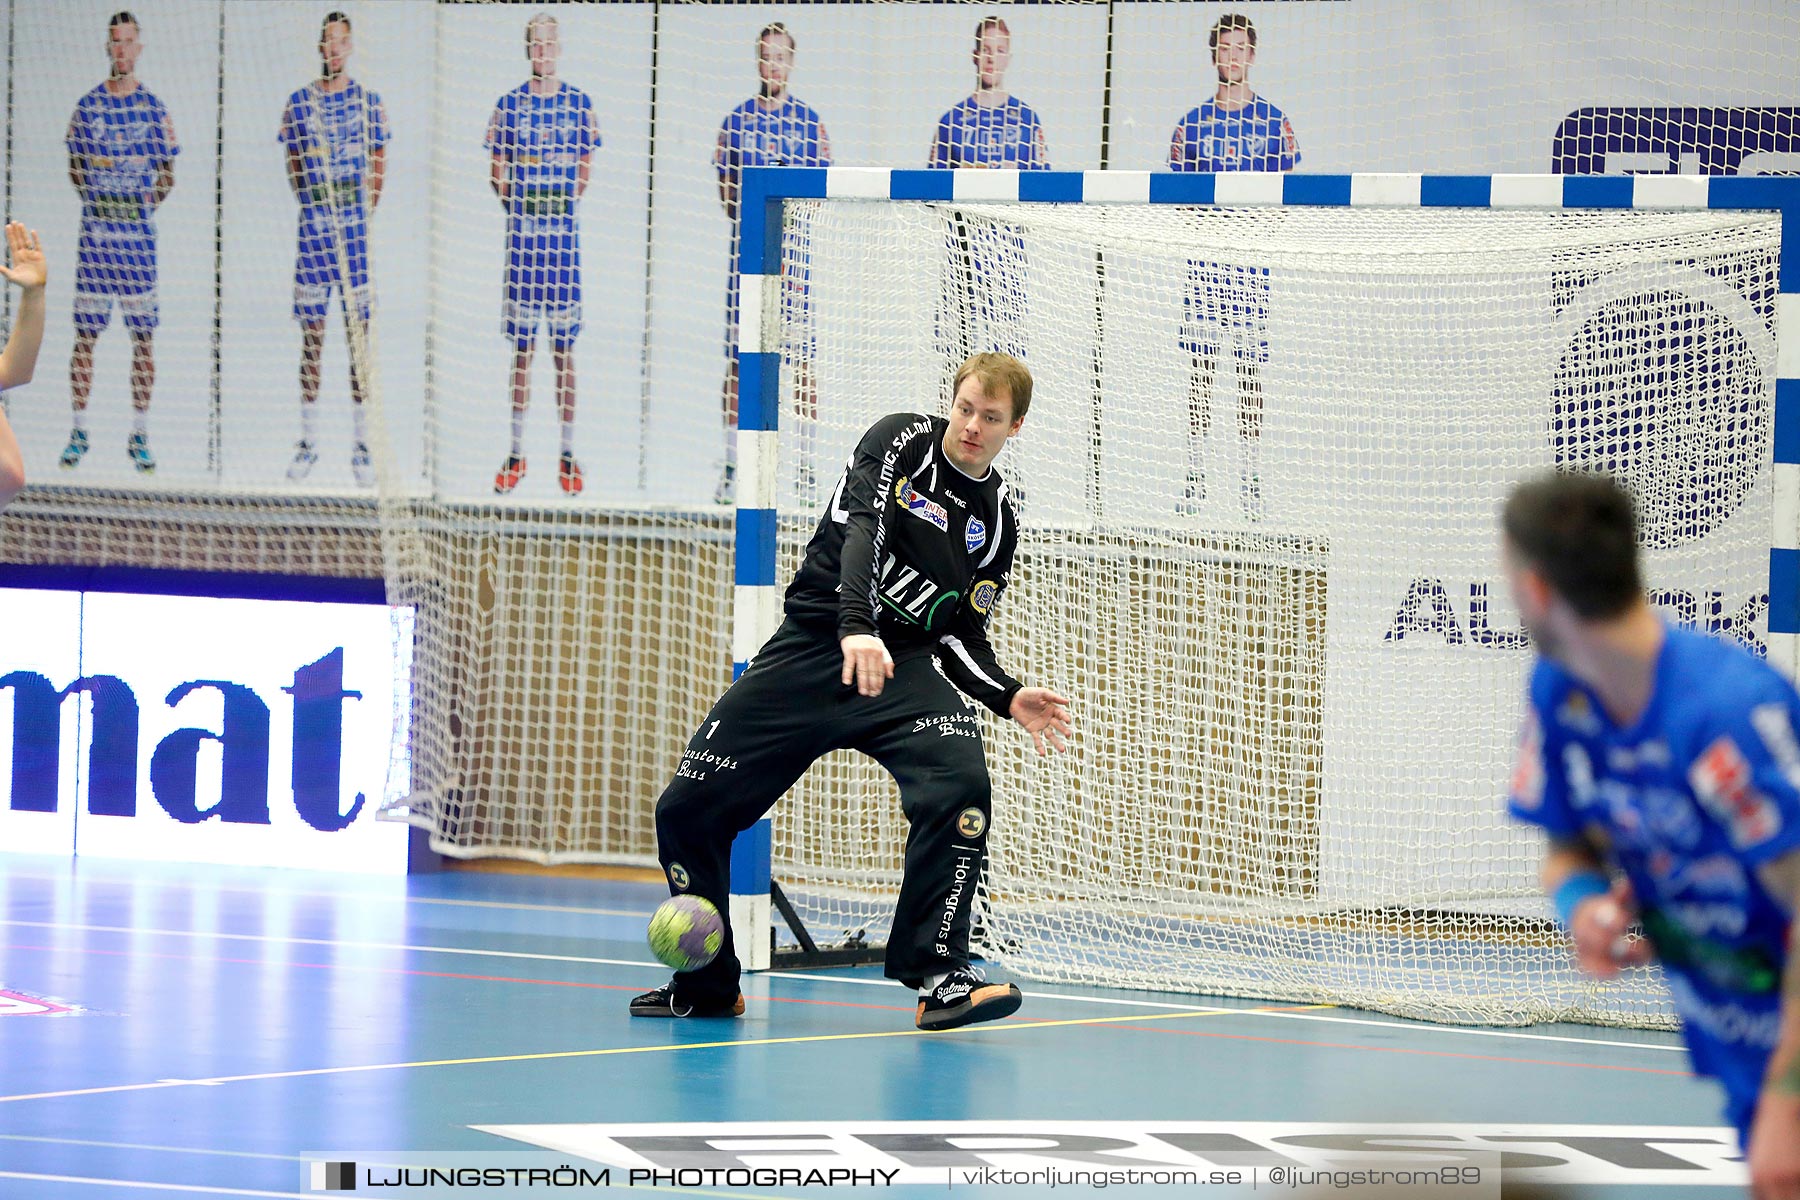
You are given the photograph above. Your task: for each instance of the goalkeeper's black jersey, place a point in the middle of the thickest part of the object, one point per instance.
(914, 551)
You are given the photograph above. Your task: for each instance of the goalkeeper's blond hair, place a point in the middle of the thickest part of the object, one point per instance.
(997, 372)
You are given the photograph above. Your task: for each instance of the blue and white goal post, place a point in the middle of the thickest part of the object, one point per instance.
(757, 609)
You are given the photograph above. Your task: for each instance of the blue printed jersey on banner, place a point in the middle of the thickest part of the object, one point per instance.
(1255, 137)
(1007, 135)
(123, 142)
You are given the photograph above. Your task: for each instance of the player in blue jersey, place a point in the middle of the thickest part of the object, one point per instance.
(335, 132)
(1664, 768)
(1227, 305)
(993, 129)
(771, 129)
(18, 361)
(542, 137)
(122, 151)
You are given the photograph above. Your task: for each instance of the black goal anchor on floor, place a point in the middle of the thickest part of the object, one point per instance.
(854, 950)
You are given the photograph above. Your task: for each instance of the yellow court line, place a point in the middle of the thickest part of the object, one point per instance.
(555, 1054)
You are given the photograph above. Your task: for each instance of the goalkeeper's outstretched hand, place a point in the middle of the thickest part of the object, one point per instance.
(1044, 715)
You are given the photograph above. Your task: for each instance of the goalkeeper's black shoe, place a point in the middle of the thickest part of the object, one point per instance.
(661, 1003)
(965, 997)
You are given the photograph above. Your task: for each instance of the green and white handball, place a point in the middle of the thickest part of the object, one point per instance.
(686, 932)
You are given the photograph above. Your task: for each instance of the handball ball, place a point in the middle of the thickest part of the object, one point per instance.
(686, 932)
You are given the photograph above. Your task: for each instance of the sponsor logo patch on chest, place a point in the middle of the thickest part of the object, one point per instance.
(921, 506)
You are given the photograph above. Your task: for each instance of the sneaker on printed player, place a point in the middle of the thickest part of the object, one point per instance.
(137, 448)
(661, 1003)
(304, 458)
(963, 997)
(78, 446)
(511, 472)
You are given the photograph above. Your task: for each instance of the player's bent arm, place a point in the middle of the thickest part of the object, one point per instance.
(864, 503)
(497, 176)
(18, 362)
(856, 576)
(377, 173)
(12, 463)
(165, 182)
(585, 165)
(1782, 879)
(1563, 859)
(296, 169)
(1773, 1155)
(728, 180)
(968, 658)
(1595, 911)
(78, 174)
(969, 663)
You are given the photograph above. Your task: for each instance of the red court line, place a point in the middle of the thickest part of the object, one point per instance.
(624, 987)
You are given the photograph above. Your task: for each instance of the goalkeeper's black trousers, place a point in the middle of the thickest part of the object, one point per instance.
(786, 711)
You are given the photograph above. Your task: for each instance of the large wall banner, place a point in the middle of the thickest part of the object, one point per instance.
(515, 225)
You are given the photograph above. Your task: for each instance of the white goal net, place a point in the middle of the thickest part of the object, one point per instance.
(1296, 674)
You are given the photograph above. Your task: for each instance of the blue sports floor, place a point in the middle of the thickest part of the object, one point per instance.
(225, 1027)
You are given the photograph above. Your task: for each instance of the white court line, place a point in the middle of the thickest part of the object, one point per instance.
(56, 1141)
(1421, 1027)
(1405, 1026)
(386, 897)
(1516, 1034)
(159, 1187)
